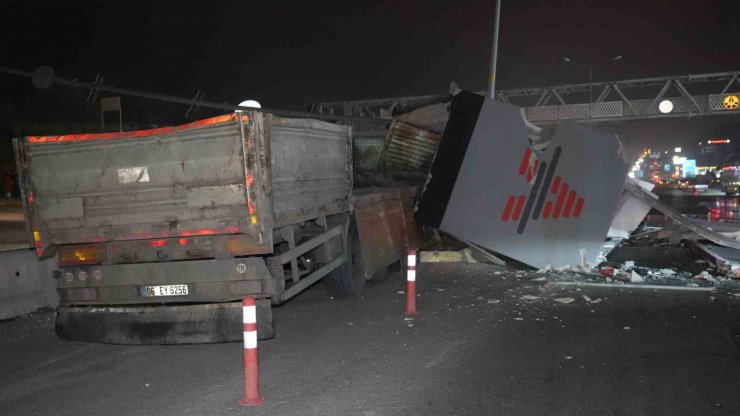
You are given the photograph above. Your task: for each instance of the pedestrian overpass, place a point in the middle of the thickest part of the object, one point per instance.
(637, 99)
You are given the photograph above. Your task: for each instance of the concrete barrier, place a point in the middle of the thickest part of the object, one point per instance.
(26, 283)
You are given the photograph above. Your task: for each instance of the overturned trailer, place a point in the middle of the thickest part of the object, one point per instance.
(158, 233)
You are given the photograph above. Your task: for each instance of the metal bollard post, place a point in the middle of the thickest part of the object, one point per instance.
(411, 284)
(251, 365)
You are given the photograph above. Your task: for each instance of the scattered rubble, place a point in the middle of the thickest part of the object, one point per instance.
(461, 256)
(634, 277)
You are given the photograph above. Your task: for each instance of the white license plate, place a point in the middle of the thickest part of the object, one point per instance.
(164, 290)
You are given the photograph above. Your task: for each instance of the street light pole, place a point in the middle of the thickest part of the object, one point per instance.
(494, 53)
(591, 77)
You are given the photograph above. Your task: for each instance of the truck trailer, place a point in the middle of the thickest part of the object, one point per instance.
(160, 233)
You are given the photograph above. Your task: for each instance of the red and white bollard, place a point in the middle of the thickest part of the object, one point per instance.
(411, 284)
(251, 365)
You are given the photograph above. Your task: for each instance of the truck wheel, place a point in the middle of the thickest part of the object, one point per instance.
(348, 279)
(382, 275)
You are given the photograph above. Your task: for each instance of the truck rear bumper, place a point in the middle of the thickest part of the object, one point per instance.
(208, 281)
(147, 325)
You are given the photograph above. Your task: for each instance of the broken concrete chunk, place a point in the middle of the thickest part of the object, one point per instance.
(545, 269)
(463, 256)
(636, 278)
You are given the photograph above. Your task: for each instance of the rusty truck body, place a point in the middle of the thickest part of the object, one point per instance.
(159, 233)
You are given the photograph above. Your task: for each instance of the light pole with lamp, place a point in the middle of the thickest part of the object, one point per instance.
(591, 65)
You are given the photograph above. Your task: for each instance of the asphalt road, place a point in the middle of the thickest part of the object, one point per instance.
(477, 348)
(710, 205)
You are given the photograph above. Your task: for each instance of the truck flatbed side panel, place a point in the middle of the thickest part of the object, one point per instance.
(311, 169)
(186, 180)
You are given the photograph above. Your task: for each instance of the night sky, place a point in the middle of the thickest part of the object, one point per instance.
(291, 55)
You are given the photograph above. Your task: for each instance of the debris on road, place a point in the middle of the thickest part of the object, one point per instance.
(547, 215)
(461, 256)
(565, 300)
(636, 278)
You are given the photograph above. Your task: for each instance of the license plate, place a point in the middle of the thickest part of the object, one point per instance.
(164, 290)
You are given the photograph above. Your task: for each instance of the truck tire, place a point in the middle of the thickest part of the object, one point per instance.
(348, 279)
(382, 275)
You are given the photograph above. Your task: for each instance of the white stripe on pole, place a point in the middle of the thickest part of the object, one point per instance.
(249, 314)
(250, 339)
(411, 277)
(412, 260)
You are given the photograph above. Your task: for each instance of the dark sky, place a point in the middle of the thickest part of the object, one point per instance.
(290, 55)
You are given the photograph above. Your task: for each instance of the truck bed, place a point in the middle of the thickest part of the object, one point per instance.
(232, 174)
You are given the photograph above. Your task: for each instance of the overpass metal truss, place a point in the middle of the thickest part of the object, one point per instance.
(637, 99)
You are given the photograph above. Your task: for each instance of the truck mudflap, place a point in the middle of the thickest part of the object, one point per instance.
(148, 325)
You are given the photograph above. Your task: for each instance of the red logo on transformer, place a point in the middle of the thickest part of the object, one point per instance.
(554, 199)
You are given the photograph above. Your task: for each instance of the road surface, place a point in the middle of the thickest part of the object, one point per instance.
(710, 205)
(482, 345)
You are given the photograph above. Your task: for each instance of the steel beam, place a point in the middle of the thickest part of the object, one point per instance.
(688, 96)
(604, 93)
(632, 95)
(625, 99)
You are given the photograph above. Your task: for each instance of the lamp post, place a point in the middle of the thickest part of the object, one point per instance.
(494, 53)
(590, 66)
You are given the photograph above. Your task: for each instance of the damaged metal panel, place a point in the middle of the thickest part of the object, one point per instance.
(630, 212)
(489, 187)
(695, 226)
(381, 224)
(724, 259)
(431, 117)
(408, 148)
